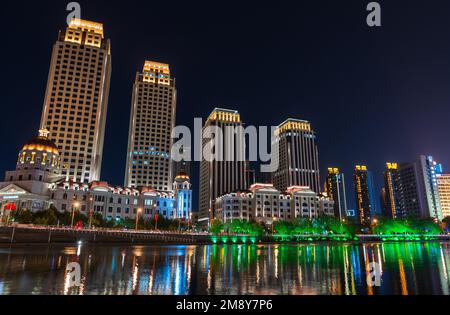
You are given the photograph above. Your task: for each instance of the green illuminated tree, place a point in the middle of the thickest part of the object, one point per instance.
(217, 227)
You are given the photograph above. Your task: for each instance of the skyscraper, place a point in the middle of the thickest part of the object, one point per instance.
(365, 195)
(428, 187)
(390, 198)
(153, 109)
(298, 157)
(219, 177)
(408, 197)
(443, 181)
(335, 189)
(76, 99)
(412, 189)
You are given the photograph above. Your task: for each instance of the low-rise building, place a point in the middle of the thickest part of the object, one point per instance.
(265, 204)
(37, 184)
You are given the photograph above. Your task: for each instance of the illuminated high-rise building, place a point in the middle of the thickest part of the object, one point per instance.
(428, 187)
(298, 159)
(152, 119)
(390, 191)
(226, 172)
(335, 189)
(409, 200)
(443, 181)
(366, 205)
(76, 99)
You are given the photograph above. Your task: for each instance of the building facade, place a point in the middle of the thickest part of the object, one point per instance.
(335, 189)
(297, 156)
(152, 119)
(224, 171)
(37, 184)
(28, 186)
(390, 192)
(409, 200)
(365, 195)
(76, 99)
(113, 202)
(428, 187)
(265, 204)
(443, 181)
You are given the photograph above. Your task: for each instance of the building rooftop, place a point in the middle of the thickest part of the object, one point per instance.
(227, 115)
(292, 124)
(86, 26)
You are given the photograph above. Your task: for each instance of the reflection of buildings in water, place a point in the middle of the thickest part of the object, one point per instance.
(444, 265)
(408, 268)
(281, 269)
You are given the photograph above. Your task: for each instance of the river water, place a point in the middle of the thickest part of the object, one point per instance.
(324, 269)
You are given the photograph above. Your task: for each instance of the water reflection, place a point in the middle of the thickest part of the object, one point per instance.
(406, 268)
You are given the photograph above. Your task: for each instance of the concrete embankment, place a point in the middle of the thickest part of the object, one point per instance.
(9, 235)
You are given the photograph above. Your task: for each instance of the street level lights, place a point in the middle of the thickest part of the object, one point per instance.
(139, 210)
(274, 219)
(74, 206)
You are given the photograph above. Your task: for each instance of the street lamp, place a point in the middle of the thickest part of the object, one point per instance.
(273, 224)
(139, 210)
(74, 206)
(91, 212)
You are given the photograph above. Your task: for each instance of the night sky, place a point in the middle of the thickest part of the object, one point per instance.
(372, 95)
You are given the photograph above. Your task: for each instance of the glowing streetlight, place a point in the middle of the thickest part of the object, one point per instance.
(139, 211)
(74, 206)
(274, 219)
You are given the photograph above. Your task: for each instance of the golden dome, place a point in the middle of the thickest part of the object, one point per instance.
(41, 143)
(182, 176)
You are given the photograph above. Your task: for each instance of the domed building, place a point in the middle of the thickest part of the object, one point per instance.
(38, 167)
(182, 189)
(40, 153)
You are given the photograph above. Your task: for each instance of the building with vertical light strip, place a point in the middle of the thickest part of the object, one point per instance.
(365, 195)
(335, 189)
(443, 181)
(76, 99)
(153, 110)
(428, 187)
(221, 177)
(390, 199)
(298, 157)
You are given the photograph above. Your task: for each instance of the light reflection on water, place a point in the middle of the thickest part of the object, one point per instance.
(407, 268)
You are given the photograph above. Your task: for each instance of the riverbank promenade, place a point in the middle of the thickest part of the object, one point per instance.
(41, 235)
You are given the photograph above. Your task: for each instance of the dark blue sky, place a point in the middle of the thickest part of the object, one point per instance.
(372, 95)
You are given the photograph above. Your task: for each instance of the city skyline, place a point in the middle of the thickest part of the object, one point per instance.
(323, 133)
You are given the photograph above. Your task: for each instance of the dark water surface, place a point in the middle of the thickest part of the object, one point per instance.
(406, 268)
